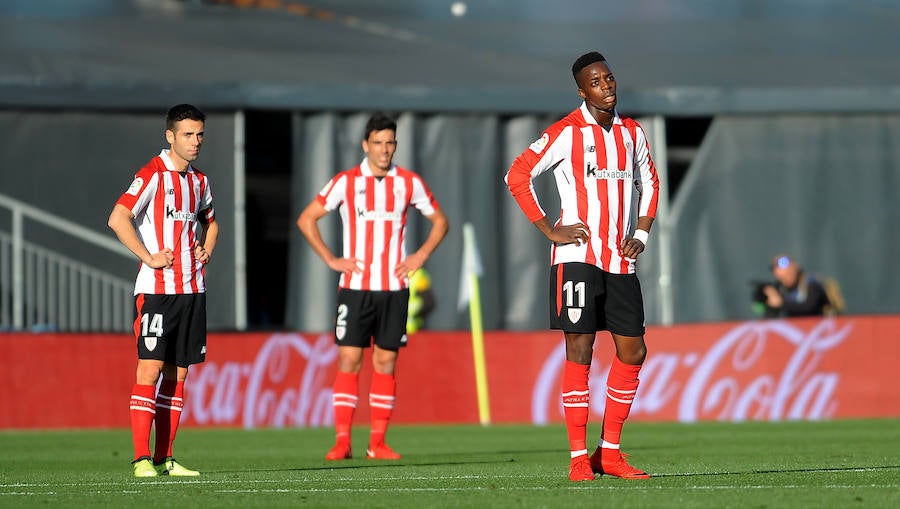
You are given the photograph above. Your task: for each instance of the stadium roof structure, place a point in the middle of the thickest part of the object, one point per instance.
(675, 57)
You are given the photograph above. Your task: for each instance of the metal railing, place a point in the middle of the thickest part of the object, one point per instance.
(42, 290)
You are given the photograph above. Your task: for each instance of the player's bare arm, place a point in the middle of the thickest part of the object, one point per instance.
(563, 234)
(632, 247)
(308, 222)
(415, 261)
(121, 221)
(204, 246)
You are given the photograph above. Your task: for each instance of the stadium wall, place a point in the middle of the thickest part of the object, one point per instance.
(805, 369)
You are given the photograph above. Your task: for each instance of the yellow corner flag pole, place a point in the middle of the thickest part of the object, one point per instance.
(470, 294)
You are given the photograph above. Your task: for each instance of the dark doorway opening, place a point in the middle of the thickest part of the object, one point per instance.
(268, 162)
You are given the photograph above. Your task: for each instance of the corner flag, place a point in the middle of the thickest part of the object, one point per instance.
(469, 294)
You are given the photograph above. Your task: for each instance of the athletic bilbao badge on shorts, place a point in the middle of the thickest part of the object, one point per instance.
(150, 342)
(574, 314)
(339, 332)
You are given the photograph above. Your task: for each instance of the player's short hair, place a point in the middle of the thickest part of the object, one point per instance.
(181, 112)
(586, 60)
(379, 122)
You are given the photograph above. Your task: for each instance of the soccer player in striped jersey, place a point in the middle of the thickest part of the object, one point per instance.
(608, 192)
(373, 200)
(171, 204)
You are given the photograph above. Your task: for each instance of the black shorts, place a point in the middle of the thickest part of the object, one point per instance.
(585, 299)
(362, 315)
(171, 328)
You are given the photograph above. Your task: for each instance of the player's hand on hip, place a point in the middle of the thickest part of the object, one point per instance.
(631, 248)
(409, 265)
(577, 234)
(200, 253)
(348, 265)
(162, 259)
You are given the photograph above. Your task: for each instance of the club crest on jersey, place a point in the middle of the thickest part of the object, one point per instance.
(574, 314)
(150, 342)
(135, 186)
(339, 332)
(540, 144)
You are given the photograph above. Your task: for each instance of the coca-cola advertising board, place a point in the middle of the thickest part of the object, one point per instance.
(804, 369)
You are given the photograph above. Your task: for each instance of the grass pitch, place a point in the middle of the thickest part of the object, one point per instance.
(715, 465)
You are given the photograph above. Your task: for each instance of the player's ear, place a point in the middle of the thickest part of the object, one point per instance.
(170, 136)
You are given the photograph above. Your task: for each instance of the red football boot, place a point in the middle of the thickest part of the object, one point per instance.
(340, 451)
(381, 452)
(612, 462)
(580, 469)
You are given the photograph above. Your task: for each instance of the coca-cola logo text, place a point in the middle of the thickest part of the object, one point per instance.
(285, 385)
(760, 370)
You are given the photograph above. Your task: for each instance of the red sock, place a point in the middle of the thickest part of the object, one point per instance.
(169, 403)
(381, 403)
(576, 403)
(143, 408)
(344, 400)
(621, 386)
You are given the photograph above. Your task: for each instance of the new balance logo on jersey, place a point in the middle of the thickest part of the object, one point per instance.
(170, 192)
(590, 149)
(179, 215)
(378, 215)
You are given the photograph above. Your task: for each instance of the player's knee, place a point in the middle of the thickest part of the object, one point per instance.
(148, 373)
(634, 356)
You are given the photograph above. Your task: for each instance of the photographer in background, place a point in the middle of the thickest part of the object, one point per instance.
(796, 293)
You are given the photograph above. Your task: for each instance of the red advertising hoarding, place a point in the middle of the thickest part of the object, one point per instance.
(759, 370)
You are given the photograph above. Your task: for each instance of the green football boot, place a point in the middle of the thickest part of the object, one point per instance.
(143, 467)
(173, 468)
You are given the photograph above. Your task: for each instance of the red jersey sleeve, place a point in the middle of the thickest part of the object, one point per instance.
(141, 191)
(542, 155)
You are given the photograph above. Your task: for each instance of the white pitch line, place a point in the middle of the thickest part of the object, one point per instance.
(582, 486)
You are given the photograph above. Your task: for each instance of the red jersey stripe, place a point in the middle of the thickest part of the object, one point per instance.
(621, 227)
(602, 202)
(580, 189)
(159, 211)
(387, 272)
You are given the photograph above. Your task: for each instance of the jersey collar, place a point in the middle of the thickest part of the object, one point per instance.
(590, 118)
(367, 171)
(164, 155)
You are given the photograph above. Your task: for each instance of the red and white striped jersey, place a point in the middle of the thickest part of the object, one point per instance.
(168, 207)
(373, 211)
(606, 180)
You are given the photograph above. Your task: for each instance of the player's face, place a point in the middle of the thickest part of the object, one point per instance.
(379, 148)
(597, 86)
(185, 139)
